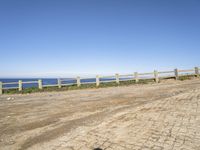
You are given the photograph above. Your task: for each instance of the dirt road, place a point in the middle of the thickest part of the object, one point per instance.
(153, 116)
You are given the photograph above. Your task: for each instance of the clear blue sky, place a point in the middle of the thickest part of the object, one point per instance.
(78, 37)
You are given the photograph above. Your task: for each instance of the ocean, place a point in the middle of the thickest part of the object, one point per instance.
(45, 81)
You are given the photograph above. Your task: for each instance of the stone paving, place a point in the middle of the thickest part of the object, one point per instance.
(171, 123)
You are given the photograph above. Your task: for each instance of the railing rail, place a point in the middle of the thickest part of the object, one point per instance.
(8, 83)
(156, 75)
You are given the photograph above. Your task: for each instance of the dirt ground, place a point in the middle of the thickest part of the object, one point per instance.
(154, 116)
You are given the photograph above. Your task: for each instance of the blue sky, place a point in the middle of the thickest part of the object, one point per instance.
(41, 38)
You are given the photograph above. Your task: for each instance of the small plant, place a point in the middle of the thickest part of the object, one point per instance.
(186, 77)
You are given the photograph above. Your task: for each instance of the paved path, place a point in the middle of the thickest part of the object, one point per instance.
(160, 116)
(171, 123)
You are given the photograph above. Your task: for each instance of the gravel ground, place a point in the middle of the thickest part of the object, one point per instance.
(154, 116)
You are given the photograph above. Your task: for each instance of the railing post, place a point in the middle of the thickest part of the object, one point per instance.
(97, 81)
(1, 88)
(136, 77)
(156, 76)
(78, 80)
(117, 78)
(176, 73)
(20, 85)
(59, 83)
(197, 71)
(40, 84)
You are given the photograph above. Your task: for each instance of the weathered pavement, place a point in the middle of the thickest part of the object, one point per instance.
(158, 116)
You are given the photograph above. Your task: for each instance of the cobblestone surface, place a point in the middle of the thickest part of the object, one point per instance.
(146, 121)
(171, 123)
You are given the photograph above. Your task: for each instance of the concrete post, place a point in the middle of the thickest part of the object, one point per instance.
(1, 88)
(156, 76)
(97, 81)
(59, 83)
(197, 71)
(78, 80)
(176, 73)
(136, 77)
(40, 84)
(20, 85)
(117, 78)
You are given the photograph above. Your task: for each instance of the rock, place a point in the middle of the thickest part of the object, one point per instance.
(9, 98)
